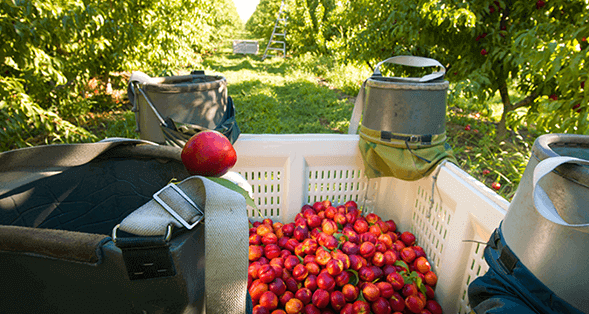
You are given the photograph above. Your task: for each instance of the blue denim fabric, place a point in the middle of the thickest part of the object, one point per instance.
(509, 287)
(249, 306)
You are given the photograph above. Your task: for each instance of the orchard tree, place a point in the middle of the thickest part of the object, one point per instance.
(51, 49)
(261, 23)
(49, 44)
(318, 26)
(307, 25)
(533, 53)
(223, 19)
(382, 29)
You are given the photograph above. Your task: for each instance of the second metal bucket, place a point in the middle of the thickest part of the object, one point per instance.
(406, 105)
(197, 99)
(547, 223)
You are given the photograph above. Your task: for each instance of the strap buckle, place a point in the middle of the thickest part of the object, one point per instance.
(167, 236)
(414, 139)
(172, 212)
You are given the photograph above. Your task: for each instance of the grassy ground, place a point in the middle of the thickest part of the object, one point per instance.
(310, 94)
(270, 98)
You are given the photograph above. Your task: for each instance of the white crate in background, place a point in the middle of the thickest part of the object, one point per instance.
(288, 171)
(245, 47)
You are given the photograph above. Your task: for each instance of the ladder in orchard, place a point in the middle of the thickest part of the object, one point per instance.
(279, 30)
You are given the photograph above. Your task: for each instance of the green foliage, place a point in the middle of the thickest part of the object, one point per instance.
(223, 22)
(307, 25)
(24, 123)
(53, 50)
(380, 31)
(479, 149)
(318, 26)
(261, 23)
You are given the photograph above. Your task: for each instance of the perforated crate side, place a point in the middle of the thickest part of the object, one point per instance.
(337, 184)
(430, 222)
(287, 171)
(267, 188)
(476, 266)
(464, 214)
(446, 215)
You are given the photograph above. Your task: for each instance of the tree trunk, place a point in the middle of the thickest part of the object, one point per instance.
(507, 107)
(370, 66)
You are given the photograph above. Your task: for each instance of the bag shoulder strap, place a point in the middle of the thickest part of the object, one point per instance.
(226, 234)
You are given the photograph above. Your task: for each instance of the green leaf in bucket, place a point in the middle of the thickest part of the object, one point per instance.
(361, 296)
(406, 277)
(402, 264)
(409, 277)
(339, 235)
(355, 279)
(420, 285)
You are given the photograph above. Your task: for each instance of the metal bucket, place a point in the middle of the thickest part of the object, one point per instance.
(195, 99)
(547, 223)
(406, 105)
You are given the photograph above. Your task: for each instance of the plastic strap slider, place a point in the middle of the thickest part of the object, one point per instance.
(167, 190)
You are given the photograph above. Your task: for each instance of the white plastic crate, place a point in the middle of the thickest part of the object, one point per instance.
(245, 46)
(288, 171)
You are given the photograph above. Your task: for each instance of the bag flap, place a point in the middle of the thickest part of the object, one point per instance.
(21, 166)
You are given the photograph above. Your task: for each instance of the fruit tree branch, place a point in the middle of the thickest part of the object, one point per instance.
(370, 66)
(526, 101)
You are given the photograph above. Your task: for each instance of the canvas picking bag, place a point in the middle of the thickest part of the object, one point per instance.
(403, 131)
(169, 110)
(97, 228)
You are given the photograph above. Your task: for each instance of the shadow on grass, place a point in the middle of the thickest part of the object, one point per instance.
(238, 62)
(243, 88)
(117, 123)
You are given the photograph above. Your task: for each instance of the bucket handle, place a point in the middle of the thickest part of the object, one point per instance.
(414, 62)
(542, 202)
